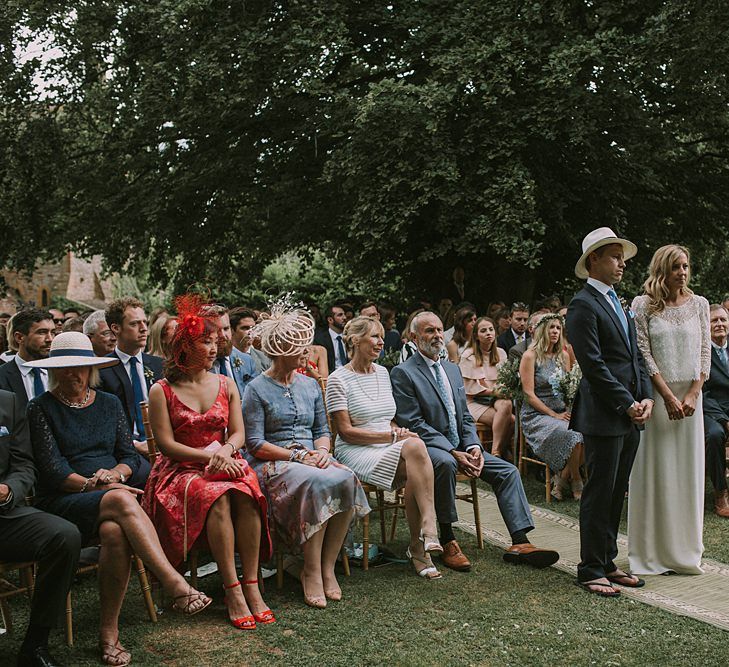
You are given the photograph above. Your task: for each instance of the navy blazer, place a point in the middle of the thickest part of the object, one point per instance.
(115, 380)
(322, 337)
(16, 455)
(613, 370)
(421, 408)
(507, 340)
(11, 379)
(716, 390)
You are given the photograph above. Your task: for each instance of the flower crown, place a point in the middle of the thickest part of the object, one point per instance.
(547, 318)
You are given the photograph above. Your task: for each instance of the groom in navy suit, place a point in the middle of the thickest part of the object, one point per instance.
(613, 403)
(431, 402)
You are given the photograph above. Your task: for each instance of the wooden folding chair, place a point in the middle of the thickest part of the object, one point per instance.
(525, 458)
(26, 585)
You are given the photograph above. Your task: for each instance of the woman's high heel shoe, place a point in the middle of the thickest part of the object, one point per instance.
(266, 616)
(423, 566)
(431, 545)
(245, 622)
(317, 602)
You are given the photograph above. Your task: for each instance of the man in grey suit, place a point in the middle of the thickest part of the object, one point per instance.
(431, 402)
(27, 534)
(716, 409)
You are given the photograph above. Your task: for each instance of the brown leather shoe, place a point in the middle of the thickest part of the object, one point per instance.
(454, 558)
(721, 504)
(530, 555)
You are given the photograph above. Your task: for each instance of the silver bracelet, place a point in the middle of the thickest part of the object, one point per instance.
(85, 486)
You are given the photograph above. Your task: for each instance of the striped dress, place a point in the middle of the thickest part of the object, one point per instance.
(371, 406)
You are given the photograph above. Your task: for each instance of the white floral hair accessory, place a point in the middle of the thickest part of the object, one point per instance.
(286, 329)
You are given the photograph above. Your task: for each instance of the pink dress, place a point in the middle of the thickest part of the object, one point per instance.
(177, 496)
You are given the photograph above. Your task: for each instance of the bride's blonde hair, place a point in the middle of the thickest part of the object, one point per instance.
(658, 271)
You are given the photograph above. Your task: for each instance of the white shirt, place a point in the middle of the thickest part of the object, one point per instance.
(228, 367)
(338, 363)
(446, 383)
(519, 337)
(128, 368)
(26, 373)
(603, 289)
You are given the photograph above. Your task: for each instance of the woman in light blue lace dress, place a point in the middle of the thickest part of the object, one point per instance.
(544, 416)
(312, 497)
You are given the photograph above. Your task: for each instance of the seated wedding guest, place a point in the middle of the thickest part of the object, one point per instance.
(160, 335)
(74, 324)
(517, 332)
(517, 351)
(562, 312)
(230, 361)
(432, 403)
(242, 321)
(331, 337)
(312, 497)
(28, 534)
(370, 309)
(716, 409)
(159, 311)
(388, 315)
(545, 417)
(33, 332)
(409, 348)
(445, 306)
(200, 491)
(494, 308)
(462, 330)
(70, 313)
(503, 321)
(359, 399)
(3, 340)
(100, 334)
(348, 308)
(130, 380)
(57, 319)
(84, 455)
(313, 362)
(4, 317)
(12, 346)
(479, 366)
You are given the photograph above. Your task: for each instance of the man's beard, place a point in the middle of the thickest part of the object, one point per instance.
(225, 348)
(431, 349)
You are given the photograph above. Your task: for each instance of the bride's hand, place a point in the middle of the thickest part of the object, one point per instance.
(674, 408)
(689, 404)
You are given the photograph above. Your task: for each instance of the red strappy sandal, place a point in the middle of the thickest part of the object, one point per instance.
(266, 616)
(245, 622)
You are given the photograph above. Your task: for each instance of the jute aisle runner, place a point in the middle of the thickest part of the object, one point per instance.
(703, 597)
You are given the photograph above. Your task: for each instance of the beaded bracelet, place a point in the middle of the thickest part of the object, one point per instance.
(85, 486)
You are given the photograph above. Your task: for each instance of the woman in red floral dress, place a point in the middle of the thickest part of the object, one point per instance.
(200, 490)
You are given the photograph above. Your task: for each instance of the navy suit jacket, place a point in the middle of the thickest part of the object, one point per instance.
(507, 340)
(322, 337)
(11, 379)
(613, 370)
(16, 457)
(716, 391)
(115, 380)
(421, 408)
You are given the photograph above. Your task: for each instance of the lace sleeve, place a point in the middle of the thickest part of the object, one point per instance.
(124, 451)
(53, 468)
(640, 308)
(704, 319)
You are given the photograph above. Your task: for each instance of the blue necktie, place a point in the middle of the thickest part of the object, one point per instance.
(619, 311)
(138, 397)
(38, 387)
(221, 366)
(722, 355)
(340, 351)
(452, 434)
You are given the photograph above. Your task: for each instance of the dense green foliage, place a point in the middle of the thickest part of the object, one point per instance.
(206, 137)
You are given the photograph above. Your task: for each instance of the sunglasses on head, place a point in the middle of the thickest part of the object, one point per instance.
(519, 305)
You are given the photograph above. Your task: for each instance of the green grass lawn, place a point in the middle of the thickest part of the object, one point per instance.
(498, 614)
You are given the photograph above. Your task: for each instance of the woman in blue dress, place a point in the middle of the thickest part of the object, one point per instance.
(312, 497)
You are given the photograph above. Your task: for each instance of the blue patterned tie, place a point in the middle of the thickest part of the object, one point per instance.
(340, 351)
(138, 397)
(222, 367)
(38, 387)
(452, 434)
(619, 311)
(722, 355)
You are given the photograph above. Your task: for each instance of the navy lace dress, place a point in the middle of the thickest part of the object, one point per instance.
(77, 440)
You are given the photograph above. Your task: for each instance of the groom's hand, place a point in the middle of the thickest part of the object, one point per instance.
(635, 411)
(647, 410)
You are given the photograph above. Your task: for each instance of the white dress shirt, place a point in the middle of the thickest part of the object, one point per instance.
(603, 289)
(128, 368)
(26, 373)
(338, 363)
(519, 337)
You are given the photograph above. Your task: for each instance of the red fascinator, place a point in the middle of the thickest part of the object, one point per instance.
(193, 325)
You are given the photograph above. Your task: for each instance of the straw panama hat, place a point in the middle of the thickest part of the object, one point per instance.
(597, 239)
(70, 349)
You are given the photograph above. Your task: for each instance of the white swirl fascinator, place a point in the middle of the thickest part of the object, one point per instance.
(286, 329)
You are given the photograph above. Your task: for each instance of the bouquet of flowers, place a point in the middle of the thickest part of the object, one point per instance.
(508, 382)
(565, 383)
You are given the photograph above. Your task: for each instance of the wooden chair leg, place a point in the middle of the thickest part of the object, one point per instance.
(5, 615)
(279, 569)
(393, 523)
(193, 561)
(69, 620)
(548, 484)
(381, 509)
(366, 542)
(476, 513)
(345, 563)
(146, 589)
(28, 579)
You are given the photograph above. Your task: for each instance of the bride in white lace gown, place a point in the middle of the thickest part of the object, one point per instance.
(666, 498)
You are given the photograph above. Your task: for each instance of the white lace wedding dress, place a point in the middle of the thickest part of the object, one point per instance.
(666, 498)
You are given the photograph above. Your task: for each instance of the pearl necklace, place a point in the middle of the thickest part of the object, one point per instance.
(359, 384)
(72, 404)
